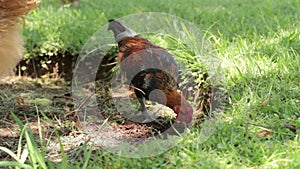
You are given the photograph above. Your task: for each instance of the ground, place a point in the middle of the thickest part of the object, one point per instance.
(46, 106)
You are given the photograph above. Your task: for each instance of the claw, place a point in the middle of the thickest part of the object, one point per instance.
(149, 117)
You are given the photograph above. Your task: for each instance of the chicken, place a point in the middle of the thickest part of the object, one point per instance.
(151, 70)
(11, 43)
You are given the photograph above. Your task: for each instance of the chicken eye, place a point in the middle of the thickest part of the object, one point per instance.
(123, 48)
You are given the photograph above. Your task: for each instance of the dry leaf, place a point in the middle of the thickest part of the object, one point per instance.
(20, 100)
(266, 101)
(264, 133)
(291, 127)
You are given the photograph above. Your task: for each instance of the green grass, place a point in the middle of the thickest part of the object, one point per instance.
(259, 45)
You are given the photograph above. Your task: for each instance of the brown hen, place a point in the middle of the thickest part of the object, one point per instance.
(151, 69)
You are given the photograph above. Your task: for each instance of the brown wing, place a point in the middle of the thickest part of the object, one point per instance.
(152, 58)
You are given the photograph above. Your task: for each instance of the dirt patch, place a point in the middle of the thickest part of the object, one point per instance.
(42, 107)
(35, 105)
(62, 65)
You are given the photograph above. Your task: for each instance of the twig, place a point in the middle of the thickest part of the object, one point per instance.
(34, 68)
(197, 95)
(261, 126)
(285, 125)
(80, 106)
(138, 89)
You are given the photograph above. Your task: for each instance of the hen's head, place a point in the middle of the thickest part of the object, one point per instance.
(184, 112)
(120, 31)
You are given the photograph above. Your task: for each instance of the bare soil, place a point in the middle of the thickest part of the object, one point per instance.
(50, 100)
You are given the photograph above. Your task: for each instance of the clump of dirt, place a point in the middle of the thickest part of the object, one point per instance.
(131, 129)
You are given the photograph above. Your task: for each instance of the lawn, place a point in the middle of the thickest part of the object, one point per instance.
(256, 42)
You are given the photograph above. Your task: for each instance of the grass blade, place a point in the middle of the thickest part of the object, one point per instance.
(9, 152)
(14, 164)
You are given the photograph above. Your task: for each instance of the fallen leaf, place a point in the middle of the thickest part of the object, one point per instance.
(290, 126)
(20, 100)
(265, 102)
(264, 133)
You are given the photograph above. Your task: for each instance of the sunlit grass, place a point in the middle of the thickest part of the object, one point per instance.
(258, 45)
